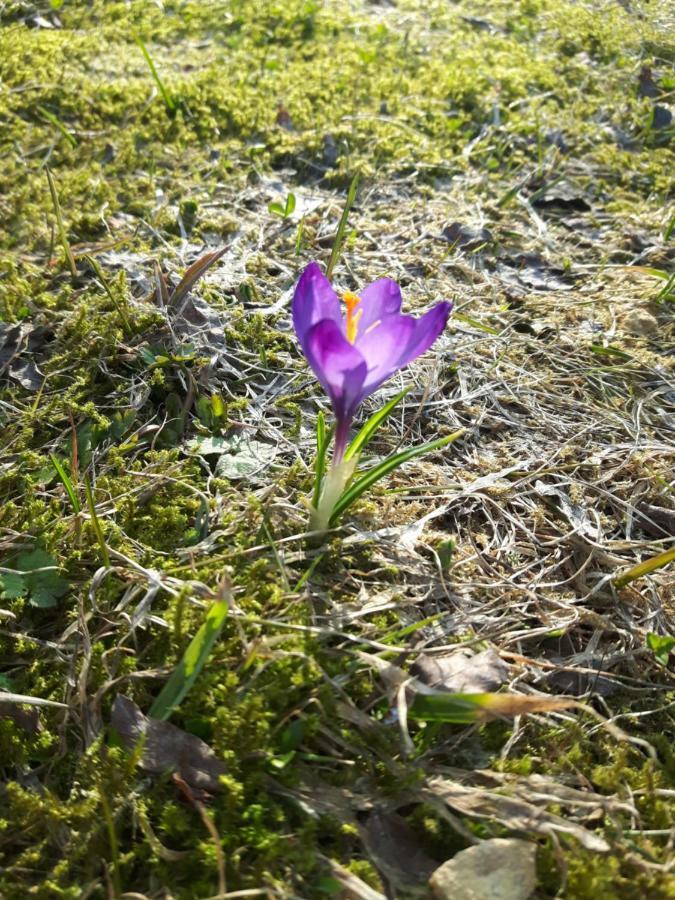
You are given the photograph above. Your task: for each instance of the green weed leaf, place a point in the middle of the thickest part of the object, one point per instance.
(285, 210)
(12, 586)
(661, 645)
(42, 588)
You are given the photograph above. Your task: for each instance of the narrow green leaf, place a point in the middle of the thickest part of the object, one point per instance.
(455, 709)
(322, 438)
(58, 124)
(667, 292)
(298, 237)
(384, 468)
(610, 351)
(185, 674)
(307, 574)
(98, 531)
(649, 270)
(342, 224)
(373, 423)
(670, 230)
(120, 305)
(474, 323)
(646, 567)
(67, 483)
(63, 236)
(290, 205)
(169, 102)
(464, 708)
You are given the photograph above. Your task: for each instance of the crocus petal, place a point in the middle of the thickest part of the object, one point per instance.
(338, 365)
(383, 347)
(426, 330)
(379, 301)
(314, 299)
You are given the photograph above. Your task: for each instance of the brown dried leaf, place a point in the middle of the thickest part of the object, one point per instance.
(166, 748)
(521, 704)
(194, 272)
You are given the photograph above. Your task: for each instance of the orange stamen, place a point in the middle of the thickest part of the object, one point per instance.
(353, 317)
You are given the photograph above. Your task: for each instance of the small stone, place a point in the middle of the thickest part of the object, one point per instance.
(497, 869)
(641, 323)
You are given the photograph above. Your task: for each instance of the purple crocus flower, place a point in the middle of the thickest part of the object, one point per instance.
(353, 354)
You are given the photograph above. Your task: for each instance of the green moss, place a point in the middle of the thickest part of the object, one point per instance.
(402, 102)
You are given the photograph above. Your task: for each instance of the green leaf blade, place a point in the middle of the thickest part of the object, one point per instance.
(373, 475)
(186, 672)
(373, 423)
(322, 439)
(67, 483)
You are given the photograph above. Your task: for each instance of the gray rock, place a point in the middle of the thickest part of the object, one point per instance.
(497, 869)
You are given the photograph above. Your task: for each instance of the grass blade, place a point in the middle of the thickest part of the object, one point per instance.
(646, 568)
(121, 306)
(322, 438)
(169, 102)
(98, 531)
(462, 709)
(67, 483)
(373, 424)
(670, 230)
(342, 224)
(58, 124)
(185, 674)
(70, 259)
(384, 468)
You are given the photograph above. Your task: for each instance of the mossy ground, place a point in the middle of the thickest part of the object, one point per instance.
(449, 112)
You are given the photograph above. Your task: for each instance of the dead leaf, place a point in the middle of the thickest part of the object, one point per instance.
(466, 237)
(166, 748)
(561, 195)
(483, 25)
(662, 117)
(579, 683)
(395, 850)
(514, 813)
(647, 87)
(317, 797)
(18, 346)
(462, 672)
(193, 273)
(533, 271)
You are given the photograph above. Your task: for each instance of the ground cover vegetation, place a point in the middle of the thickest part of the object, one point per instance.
(158, 428)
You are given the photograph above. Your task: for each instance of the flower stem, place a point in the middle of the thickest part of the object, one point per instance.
(341, 438)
